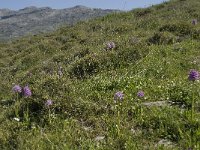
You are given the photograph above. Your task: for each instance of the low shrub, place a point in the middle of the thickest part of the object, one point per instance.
(163, 38)
(83, 67)
(180, 95)
(180, 29)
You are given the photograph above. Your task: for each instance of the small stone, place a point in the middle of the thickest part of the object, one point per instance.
(99, 138)
(136, 131)
(165, 143)
(87, 128)
(16, 119)
(158, 103)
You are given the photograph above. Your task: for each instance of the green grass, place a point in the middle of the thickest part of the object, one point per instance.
(155, 49)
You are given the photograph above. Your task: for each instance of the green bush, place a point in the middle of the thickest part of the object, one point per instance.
(163, 38)
(142, 12)
(180, 95)
(81, 53)
(84, 67)
(196, 34)
(180, 29)
(93, 63)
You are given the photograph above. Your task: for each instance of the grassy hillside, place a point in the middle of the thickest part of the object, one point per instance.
(93, 72)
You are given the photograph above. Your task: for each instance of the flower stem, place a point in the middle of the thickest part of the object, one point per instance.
(192, 117)
(49, 115)
(118, 119)
(17, 106)
(192, 109)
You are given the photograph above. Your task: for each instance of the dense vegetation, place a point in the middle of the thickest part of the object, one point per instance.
(91, 74)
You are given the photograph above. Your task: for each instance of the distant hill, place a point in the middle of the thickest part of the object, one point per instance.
(32, 20)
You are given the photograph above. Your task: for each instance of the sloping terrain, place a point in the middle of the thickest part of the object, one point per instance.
(33, 20)
(116, 82)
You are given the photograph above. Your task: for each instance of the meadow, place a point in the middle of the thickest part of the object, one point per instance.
(127, 80)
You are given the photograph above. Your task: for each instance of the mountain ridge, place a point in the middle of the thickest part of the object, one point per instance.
(33, 20)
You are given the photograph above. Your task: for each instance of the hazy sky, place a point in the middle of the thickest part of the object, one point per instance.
(112, 4)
